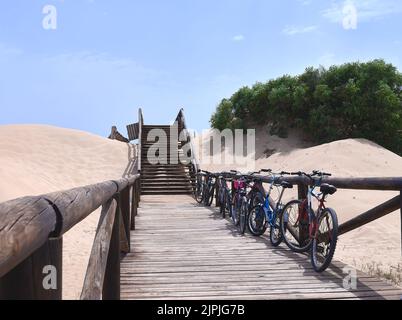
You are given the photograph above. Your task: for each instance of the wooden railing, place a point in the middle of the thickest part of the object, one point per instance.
(31, 231)
(181, 121)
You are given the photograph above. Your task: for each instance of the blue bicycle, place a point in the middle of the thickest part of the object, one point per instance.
(268, 213)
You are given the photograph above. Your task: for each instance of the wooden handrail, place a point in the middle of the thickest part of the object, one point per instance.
(376, 183)
(31, 229)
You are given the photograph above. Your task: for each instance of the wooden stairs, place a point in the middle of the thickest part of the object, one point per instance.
(163, 177)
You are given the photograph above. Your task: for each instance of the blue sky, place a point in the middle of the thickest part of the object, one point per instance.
(107, 58)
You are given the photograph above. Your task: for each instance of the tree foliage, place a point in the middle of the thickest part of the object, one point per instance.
(353, 100)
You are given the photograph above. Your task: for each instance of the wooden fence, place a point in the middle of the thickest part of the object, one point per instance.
(31, 231)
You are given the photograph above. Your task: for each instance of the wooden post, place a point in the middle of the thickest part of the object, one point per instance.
(303, 231)
(134, 205)
(111, 283)
(125, 212)
(38, 277)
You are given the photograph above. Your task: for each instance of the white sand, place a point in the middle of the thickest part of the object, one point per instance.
(376, 244)
(37, 159)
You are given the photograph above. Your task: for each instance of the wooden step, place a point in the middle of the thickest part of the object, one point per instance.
(167, 192)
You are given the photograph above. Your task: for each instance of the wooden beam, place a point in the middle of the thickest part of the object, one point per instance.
(25, 225)
(303, 229)
(76, 204)
(111, 283)
(94, 278)
(371, 215)
(377, 183)
(38, 277)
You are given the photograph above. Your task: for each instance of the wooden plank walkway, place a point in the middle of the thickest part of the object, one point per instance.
(184, 251)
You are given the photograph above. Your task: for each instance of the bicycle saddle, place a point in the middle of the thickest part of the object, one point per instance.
(328, 189)
(286, 185)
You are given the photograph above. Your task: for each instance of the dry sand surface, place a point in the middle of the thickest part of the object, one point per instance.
(374, 248)
(37, 159)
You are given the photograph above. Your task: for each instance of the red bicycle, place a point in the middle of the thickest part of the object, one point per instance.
(306, 229)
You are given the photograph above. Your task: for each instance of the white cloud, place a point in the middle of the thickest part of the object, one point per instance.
(7, 50)
(366, 9)
(305, 2)
(293, 30)
(239, 37)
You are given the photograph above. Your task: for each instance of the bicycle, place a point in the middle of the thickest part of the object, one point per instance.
(266, 213)
(224, 194)
(200, 185)
(239, 191)
(205, 187)
(246, 199)
(305, 229)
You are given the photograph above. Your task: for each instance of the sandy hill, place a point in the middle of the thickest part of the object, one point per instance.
(376, 247)
(37, 159)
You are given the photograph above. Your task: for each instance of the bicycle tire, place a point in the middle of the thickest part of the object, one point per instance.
(275, 234)
(262, 225)
(199, 193)
(292, 242)
(228, 204)
(235, 212)
(333, 236)
(243, 215)
(211, 193)
(222, 208)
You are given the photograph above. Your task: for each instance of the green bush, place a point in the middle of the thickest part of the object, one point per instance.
(353, 100)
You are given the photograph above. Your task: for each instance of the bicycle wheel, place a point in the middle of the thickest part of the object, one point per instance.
(257, 221)
(199, 192)
(222, 208)
(275, 234)
(236, 211)
(257, 198)
(324, 244)
(243, 215)
(228, 204)
(211, 193)
(295, 226)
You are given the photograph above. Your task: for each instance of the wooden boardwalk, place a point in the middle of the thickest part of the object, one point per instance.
(181, 250)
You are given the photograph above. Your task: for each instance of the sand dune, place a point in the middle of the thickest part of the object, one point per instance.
(37, 159)
(376, 245)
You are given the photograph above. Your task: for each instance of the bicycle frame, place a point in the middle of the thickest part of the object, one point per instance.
(271, 213)
(313, 215)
